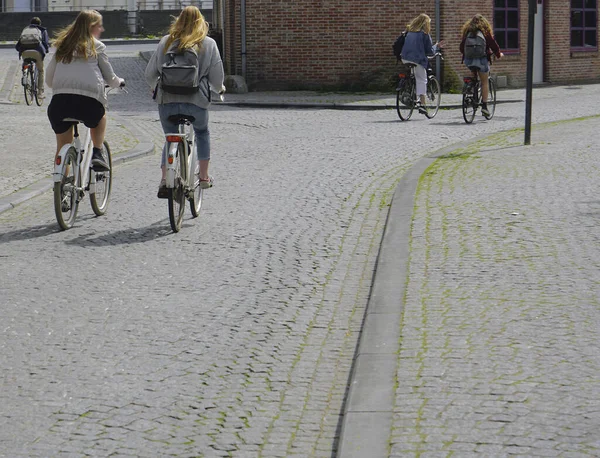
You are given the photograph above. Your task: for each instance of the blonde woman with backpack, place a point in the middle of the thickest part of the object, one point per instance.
(77, 74)
(478, 26)
(188, 36)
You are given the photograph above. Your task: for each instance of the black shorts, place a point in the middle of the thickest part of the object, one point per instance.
(75, 106)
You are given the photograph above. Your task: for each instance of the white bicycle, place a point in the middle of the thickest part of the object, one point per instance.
(73, 177)
(182, 167)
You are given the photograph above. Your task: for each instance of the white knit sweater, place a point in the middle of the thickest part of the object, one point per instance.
(83, 76)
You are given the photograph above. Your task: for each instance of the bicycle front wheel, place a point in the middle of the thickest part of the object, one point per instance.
(196, 190)
(65, 193)
(469, 104)
(177, 193)
(99, 198)
(38, 99)
(491, 102)
(434, 93)
(405, 101)
(28, 86)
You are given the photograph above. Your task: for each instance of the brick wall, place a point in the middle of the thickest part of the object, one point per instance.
(321, 42)
(333, 42)
(562, 65)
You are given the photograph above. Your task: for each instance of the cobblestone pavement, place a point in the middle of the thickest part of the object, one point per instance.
(236, 336)
(500, 354)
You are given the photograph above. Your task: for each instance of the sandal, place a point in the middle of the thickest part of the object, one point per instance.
(205, 184)
(163, 192)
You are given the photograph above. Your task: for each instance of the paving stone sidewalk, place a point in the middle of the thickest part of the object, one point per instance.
(481, 336)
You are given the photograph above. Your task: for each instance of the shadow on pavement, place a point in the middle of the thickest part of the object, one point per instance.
(29, 233)
(129, 236)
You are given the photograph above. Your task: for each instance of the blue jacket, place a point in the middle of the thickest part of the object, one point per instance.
(42, 48)
(417, 47)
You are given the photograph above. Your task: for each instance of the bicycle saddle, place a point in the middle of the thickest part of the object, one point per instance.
(72, 120)
(28, 60)
(181, 118)
(410, 65)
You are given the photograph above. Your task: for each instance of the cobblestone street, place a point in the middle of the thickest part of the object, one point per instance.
(236, 336)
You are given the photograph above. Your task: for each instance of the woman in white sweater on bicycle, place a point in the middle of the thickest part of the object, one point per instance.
(189, 30)
(77, 74)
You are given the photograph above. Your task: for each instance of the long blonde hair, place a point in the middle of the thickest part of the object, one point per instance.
(477, 22)
(77, 37)
(421, 23)
(189, 28)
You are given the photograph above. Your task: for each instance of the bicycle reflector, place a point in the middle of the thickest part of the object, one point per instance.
(174, 138)
(467, 79)
(25, 66)
(57, 161)
(401, 75)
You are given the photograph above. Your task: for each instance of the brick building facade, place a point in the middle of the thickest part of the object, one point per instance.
(305, 43)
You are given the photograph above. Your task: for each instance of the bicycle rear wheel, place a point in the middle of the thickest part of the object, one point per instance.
(434, 93)
(65, 194)
(177, 193)
(491, 103)
(28, 86)
(405, 100)
(99, 198)
(196, 190)
(469, 102)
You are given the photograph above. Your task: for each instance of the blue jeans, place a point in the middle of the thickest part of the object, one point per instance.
(200, 126)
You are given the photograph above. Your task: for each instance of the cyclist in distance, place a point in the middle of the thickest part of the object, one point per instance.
(188, 35)
(35, 44)
(479, 24)
(77, 74)
(417, 46)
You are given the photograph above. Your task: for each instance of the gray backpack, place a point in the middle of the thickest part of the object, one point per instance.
(475, 46)
(31, 37)
(179, 74)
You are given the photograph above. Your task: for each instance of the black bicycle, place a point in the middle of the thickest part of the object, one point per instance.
(29, 82)
(471, 97)
(406, 93)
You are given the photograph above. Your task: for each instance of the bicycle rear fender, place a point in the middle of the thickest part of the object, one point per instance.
(58, 165)
(172, 148)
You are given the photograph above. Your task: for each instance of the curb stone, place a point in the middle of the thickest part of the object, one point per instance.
(368, 412)
(41, 186)
(333, 106)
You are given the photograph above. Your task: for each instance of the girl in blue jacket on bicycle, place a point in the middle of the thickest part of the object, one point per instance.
(417, 46)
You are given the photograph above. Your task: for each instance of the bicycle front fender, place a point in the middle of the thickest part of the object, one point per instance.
(59, 161)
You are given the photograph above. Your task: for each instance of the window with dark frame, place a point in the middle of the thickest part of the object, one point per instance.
(584, 24)
(506, 24)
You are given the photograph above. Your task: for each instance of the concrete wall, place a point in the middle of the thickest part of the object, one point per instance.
(11, 24)
(115, 22)
(157, 22)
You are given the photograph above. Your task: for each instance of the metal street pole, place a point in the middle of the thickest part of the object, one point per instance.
(530, 38)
